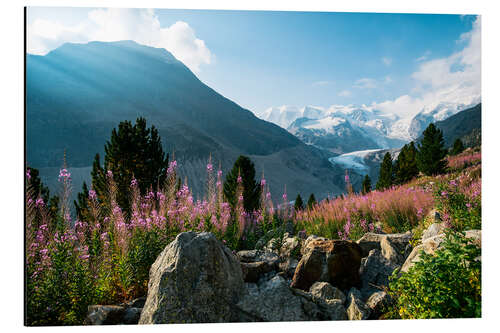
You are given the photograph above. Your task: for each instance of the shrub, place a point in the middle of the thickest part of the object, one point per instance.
(444, 285)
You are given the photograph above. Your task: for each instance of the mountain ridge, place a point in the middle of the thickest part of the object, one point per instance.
(77, 93)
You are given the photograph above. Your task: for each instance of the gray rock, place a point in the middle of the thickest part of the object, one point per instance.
(378, 303)
(433, 230)
(375, 272)
(305, 246)
(356, 308)
(432, 244)
(327, 292)
(391, 251)
(105, 315)
(372, 241)
(132, 316)
(288, 267)
(196, 279)
(272, 301)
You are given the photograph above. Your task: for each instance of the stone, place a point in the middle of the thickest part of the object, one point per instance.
(253, 271)
(256, 263)
(433, 230)
(334, 261)
(272, 301)
(374, 272)
(309, 240)
(105, 315)
(356, 308)
(391, 251)
(378, 303)
(286, 247)
(288, 267)
(327, 292)
(371, 241)
(196, 279)
(432, 244)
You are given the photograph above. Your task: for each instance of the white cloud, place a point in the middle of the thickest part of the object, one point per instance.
(113, 24)
(386, 61)
(345, 93)
(365, 83)
(454, 79)
(423, 56)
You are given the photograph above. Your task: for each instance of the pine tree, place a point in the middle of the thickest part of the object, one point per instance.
(385, 179)
(299, 204)
(405, 168)
(431, 152)
(133, 151)
(458, 147)
(367, 185)
(311, 201)
(81, 203)
(245, 168)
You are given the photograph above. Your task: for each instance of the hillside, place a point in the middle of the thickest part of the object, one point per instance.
(77, 93)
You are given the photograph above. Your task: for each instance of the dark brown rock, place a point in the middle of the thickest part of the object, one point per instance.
(333, 261)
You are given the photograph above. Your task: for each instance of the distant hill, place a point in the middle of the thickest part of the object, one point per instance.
(77, 93)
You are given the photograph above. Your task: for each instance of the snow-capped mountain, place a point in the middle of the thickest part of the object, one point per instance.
(339, 128)
(347, 128)
(439, 112)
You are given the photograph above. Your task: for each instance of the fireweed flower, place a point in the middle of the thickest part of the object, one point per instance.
(239, 180)
(219, 173)
(262, 182)
(64, 175)
(39, 202)
(92, 195)
(209, 167)
(28, 173)
(133, 182)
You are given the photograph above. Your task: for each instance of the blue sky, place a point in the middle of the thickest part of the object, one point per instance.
(262, 59)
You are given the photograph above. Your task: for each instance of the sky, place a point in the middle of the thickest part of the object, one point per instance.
(397, 63)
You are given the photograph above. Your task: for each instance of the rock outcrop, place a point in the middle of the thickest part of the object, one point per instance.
(196, 279)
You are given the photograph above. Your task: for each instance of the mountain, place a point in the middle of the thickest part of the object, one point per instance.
(465, 125)
(436, 113)
(342, 129)
(78, 93)
(339, 129)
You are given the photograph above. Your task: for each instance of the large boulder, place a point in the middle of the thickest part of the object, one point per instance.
(196, 279)
(333, 261)
(372, 241)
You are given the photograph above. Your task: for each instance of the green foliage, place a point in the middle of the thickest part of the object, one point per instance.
(299, 204)
(366, 185)
(431, 152)
(245, 168)
(459, 210)
(311, 201)
(444, 285)
(457, 148)
(385, 179)
(406, 165)
(133, 151)
(61, 293)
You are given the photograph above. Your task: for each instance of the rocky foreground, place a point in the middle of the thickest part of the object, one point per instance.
(197, 279)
